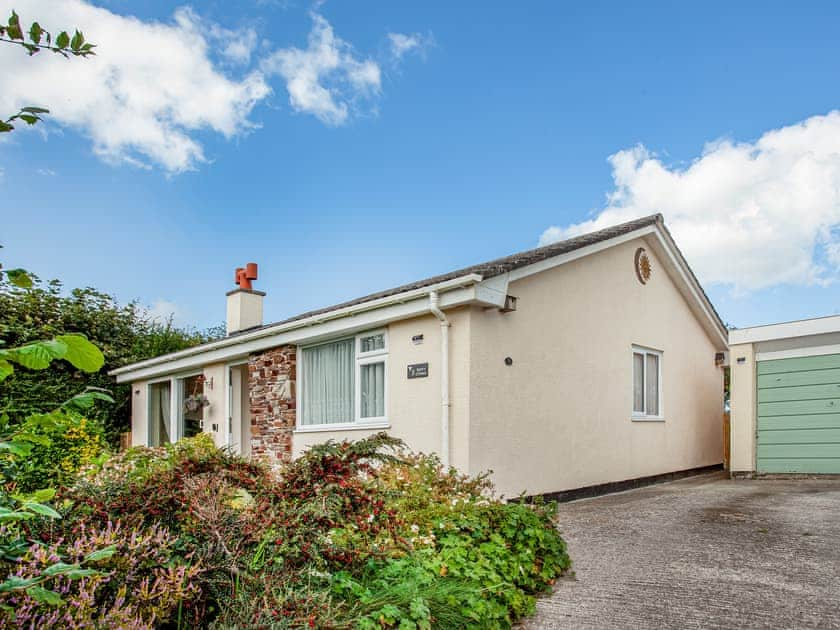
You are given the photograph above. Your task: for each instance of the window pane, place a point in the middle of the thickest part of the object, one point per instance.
(638, 382)
(372, 343)
(191, 405)
(328, 383)
(372, 388)
(652, 393)
(160, 420)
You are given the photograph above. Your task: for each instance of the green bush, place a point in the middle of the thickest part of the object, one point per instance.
(124, 333)
(70, 441)
(348, 535)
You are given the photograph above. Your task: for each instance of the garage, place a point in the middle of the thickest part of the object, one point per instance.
(785, 398)
(799, 415)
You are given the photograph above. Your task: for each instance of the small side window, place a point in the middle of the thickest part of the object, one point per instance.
(647, 383)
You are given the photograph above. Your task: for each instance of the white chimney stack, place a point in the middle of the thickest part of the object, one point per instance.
(244, 305)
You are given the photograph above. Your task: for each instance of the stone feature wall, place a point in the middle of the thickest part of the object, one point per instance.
(271, 393)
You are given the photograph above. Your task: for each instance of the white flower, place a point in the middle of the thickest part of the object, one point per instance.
(370, 518)
(415, 528)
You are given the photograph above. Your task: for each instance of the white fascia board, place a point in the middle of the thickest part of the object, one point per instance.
(347, 320)
(786, 330)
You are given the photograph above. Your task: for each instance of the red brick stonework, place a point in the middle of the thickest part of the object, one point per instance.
(271, 393)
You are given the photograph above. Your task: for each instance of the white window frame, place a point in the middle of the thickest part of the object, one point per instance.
(643, 415)
(176, 407)
(361, 358)
(366, 358)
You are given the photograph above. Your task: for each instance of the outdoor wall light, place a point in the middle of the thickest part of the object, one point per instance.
(508, 361)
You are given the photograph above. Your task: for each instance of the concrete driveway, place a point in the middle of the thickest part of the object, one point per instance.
(705, 552)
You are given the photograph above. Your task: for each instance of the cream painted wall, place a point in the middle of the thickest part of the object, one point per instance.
(742, 402)
(241, 421)
(560, 416)
(139, 413)
(414, 405)
(217, 412)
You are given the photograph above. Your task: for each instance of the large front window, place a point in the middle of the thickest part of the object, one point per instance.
(344, 381)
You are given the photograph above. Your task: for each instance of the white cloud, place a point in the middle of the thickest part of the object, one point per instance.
(402, 44)
(747, 215)
(327, 78)
(163, 311)
(149, 90)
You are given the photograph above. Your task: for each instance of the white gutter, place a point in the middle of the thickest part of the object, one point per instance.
(434, 308)
(290, 332)
(786, 330)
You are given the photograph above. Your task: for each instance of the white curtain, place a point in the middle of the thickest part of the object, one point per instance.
(652, 385)
(372, 387)
(328, 372)
(161, 420)
(638, 382)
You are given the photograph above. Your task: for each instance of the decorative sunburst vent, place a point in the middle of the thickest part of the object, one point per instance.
(642, 264)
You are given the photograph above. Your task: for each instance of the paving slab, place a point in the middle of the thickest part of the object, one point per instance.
(704, 552)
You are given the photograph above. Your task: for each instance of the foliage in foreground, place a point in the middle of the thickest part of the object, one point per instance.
(349, 535)
(34, 310)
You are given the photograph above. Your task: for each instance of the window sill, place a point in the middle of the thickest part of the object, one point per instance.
(647, 418)
(350, 426)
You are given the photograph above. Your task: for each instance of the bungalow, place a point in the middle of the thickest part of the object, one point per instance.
(590, 361)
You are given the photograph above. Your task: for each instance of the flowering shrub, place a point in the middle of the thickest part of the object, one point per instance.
(129, 580)
(350, 534)
(72, 442)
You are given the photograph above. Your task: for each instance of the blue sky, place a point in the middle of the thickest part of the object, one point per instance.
(496, 123)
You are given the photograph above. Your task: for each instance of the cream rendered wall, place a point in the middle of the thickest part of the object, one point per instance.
(560, 416)
(742, 427)
(414, 405)
(216, 413)
(139, 413)
(241, 421)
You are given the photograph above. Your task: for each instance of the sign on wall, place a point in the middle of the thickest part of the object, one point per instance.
(418, 370)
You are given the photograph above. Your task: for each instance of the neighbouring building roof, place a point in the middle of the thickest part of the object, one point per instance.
(786, 330)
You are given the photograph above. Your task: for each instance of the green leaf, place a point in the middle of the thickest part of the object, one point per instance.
(59, 568)
(4, 126)
(75, 574)
(62, 40)
(40, 496)
(18, 277)
(77, 41)
(8, 515)
(29, 118)
(21, 449)
(40, 594)
(34, 110)
(35, 32)
(17, 583)
(6, 369)
(86, 399)
(81, 353)
(43, 510)
(35, 356)
(101, 554)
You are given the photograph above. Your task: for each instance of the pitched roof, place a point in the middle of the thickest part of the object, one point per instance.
(488, 269)
(260, 336)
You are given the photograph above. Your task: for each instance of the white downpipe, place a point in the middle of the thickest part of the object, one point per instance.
(434, 307)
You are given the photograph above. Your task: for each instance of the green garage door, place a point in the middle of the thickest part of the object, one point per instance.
(799, 415)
